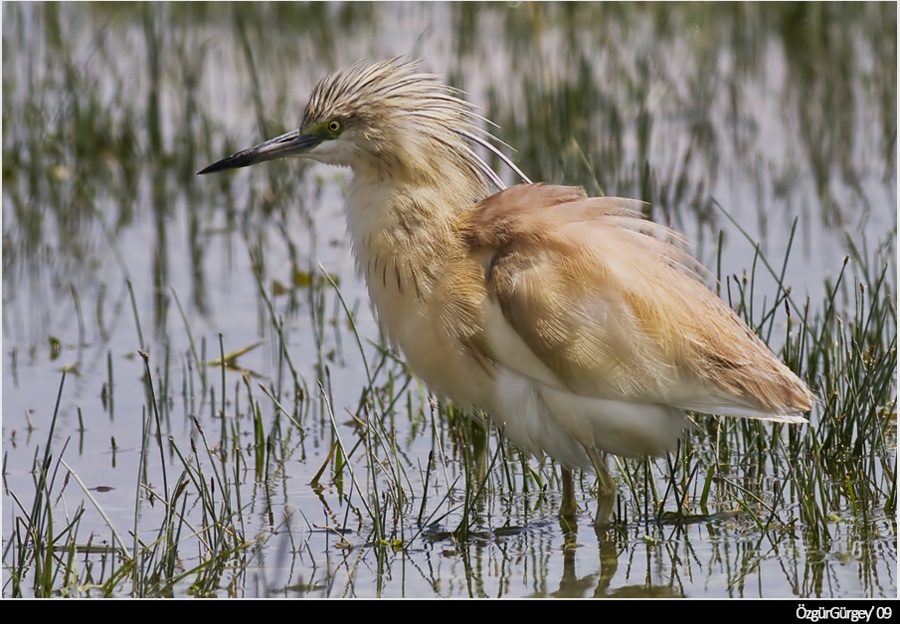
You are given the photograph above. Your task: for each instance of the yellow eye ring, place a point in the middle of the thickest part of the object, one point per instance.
(335, 126)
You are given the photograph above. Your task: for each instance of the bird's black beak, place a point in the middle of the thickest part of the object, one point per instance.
(292, 143)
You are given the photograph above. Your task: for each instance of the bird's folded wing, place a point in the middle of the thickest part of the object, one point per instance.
(609, 305)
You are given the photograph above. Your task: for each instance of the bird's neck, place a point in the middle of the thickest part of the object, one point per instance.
(402, 233)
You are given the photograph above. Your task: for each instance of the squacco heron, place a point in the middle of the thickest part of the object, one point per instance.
(580, 327)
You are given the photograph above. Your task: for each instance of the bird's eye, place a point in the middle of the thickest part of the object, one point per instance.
(335, 126)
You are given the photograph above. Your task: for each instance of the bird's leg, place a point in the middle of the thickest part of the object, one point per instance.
(568, 508)
(606, 490)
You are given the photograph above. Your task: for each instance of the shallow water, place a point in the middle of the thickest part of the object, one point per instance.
(717, 115)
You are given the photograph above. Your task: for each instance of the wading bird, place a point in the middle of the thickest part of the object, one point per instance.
(578, 326)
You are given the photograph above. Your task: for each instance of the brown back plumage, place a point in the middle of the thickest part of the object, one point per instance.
(615, 306)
